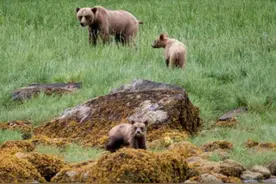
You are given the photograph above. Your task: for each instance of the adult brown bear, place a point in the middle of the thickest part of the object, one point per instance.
(106, 22)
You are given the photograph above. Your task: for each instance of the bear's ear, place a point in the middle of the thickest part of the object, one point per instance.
(77, 9)
(94, 10)
(161, 37)
(146, 122)
(132, 122)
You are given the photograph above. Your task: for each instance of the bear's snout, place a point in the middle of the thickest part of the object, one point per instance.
(82, 24)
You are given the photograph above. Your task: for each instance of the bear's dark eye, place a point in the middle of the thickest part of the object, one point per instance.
(80, 17)
(142, 129)
(86, 17)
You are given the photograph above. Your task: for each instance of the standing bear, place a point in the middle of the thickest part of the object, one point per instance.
(125, 134)
(175, 51)
(106, 22)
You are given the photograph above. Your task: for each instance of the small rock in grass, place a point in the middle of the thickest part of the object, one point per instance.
(272, 167)
(208, 178)
(261, 169)
(249, 175)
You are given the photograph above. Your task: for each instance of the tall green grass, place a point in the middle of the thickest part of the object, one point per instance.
(231, 58)
(72, 153)
(6, 135)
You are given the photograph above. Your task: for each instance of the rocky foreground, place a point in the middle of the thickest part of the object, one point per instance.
(173, 118)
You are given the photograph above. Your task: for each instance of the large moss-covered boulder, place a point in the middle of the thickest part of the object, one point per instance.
(166, 107)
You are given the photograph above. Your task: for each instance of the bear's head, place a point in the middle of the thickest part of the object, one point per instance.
(160, 42)
(86, 16)
(139, 129)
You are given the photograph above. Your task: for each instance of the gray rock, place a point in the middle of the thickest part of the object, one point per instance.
(250, 181)
(270, 180)
(145, 85)
(272, 167)
(34, 89)
(151, 112)
(85, 176)
(189, 181)
(249, 175)
(80, 113)
(35, 181)
(71, 173)
(208, 178)
(232, 114)
(261, 169)
(231, 168)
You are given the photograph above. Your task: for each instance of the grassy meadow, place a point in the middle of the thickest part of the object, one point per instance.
(231, 61)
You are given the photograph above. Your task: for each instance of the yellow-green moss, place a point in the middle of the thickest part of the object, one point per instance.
(13, 169)
(163, 138)
(44, 140)
(47, 165)
(220, 144)
(18, 146)
(228, 123)
(22, 126)
(260, 145)
(77, 172)
(185, 149)
(138, 166)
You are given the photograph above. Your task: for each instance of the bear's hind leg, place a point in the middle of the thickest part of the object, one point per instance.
(118, 38)
(167, 61)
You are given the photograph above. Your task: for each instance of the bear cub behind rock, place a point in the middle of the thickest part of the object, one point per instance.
(125, 134)
(175, 51)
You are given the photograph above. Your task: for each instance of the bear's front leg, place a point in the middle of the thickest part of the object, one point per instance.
(105, 38)
(93, 36)
(134, 143)
(142, 143)
(104, 34)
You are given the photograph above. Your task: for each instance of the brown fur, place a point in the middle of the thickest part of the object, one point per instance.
(175, 51)
(122, 24)
(132, 135)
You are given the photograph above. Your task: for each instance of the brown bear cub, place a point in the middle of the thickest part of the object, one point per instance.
(125, 134)
(175, 51)
(106, 22)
